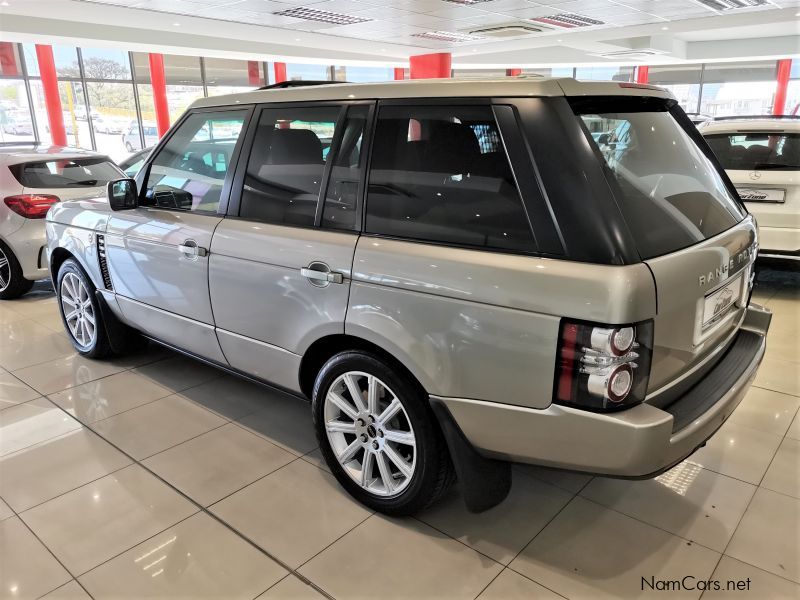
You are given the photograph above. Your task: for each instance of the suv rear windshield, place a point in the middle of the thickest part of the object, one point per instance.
(670, 193)
(753, 150)
(66, 173)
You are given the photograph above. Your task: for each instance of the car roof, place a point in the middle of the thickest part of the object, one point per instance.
(437, 88)
(757, 123)
(18, 153)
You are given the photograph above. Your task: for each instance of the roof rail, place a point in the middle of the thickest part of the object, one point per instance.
(733, 118)
(297, 83)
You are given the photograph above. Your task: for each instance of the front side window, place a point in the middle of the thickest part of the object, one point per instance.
(441, 174)
(754, 151)
(189, 172)
(670, 194)
(287, 163)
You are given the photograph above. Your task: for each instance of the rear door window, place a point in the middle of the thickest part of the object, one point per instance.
(670, 193)
(441, 174)
(755, 151)
(66, 173)
(287, 163)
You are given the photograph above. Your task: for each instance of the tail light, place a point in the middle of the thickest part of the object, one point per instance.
(31, 206)
(602, 367)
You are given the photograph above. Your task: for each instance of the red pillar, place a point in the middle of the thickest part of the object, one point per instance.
(513, 72)
(158, 81)
(642, 74)
(254, 73)
(399, 73)
(280, 71)
(430, 66)
(52, 99)
(784, 69)
(8, 60)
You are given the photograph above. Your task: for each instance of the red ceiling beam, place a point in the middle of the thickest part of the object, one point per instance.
(431, 66)
(52, 99)
(8, 60)
(158, 81)
(784, 70)
(642, 74)
(399, 73)
(254, 73)
(513, 72)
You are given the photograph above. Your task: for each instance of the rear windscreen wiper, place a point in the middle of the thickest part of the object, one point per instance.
(86, 182)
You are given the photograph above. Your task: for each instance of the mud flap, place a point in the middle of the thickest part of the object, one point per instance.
(119, 334)
(484, 482)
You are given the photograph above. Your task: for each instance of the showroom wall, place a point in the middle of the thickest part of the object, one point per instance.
(113, 87)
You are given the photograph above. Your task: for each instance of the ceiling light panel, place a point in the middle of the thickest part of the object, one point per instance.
(449, 36)
(567, 20)
(723, 5)
(323, 16)
(467, 2)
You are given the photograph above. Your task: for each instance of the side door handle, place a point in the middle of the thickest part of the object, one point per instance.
(320, 274)
(191, 249)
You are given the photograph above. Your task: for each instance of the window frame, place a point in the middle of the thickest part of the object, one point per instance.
(224, 197)
(529, 187)
(237, 187)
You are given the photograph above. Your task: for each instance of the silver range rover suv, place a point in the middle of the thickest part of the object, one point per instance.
(457, 274)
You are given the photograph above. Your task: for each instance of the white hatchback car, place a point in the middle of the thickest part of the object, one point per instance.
(32, 179)
(762, 157)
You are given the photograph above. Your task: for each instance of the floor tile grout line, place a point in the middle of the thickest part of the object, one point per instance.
(78, 583)
(207, 512)
(226, 496)
(346, 533)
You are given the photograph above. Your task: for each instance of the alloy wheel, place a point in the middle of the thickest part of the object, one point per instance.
(5, 271)
(370, 433)
(76, 303)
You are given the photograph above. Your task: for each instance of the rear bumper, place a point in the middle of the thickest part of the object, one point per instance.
(638, 442)
(779, 242)
(28, 243)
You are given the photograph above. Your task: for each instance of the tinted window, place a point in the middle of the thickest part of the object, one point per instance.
(669, 192)
(188, 173)
(339, 211)
(441, 174)
(286, 165)
(752, 151)
(66, 173)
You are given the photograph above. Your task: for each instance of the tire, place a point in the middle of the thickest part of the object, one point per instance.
(417, 474)
(128, 147)
(76, 294)
(12, 283)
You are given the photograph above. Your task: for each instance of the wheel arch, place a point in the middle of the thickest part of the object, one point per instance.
(319, 352)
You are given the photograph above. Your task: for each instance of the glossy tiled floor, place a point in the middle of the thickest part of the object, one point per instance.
(155, 476)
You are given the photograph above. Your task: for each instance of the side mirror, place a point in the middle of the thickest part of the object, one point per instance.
(122, 194)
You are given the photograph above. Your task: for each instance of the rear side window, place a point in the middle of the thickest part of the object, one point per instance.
(754, 151)
(441, 174)
(670, 194)
(287, 163)
(66, 173)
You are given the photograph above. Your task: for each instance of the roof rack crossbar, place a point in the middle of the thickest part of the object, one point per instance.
(282, 85)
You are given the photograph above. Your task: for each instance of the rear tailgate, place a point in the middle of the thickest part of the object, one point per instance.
(702, 293)
(772, 196)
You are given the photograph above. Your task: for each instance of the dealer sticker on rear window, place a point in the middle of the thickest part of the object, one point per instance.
(762, 194)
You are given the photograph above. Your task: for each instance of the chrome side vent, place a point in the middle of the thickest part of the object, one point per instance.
(101, 258)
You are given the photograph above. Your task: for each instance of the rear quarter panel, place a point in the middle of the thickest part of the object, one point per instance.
(483, 325)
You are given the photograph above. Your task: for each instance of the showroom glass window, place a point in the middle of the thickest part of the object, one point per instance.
(739, 88)
(189, 172)
(286, 165)
(441, 174)
(683, 81)
(16, 123)
(228, 76)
